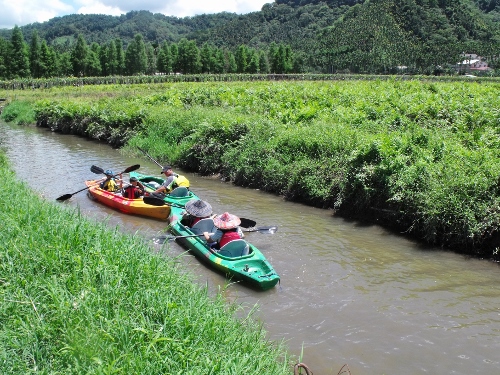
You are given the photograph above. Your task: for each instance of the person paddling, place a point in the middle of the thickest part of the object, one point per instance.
(135, 190)
(227, 230)
(196, 210)
(111, 183)
(172, 181)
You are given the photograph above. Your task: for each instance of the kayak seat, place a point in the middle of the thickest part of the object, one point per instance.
(204, 225)
(180, 191)
(234, 249)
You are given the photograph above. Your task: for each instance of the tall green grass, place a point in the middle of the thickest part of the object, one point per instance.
(80, 298)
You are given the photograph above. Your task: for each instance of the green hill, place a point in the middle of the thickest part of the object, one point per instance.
(332, 35)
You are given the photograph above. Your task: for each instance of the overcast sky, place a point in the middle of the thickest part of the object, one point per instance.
(23, 12)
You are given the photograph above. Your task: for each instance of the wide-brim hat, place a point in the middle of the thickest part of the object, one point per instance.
(226, 221)
(198, 208)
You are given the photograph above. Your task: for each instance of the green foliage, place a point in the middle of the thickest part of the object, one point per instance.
(19, 112)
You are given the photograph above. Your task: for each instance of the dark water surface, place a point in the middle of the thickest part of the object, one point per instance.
(349, 294)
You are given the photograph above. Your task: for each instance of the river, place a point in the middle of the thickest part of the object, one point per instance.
(349, 294)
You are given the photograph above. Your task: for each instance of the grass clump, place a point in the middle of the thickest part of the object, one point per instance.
(78, 297)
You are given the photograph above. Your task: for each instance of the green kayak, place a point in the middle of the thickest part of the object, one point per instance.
(179, 196)
(238, 260)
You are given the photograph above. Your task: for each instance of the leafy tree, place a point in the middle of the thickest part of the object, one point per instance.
(207, 58)
(35, 51)
(164, 59)
(79, 56)
(229, 62)
(219, 61)
(253, 64)
(135, 56)
(241, 57)
(64, 64)
(263, 63)
(4, 49)
(93, 64)
(48, 63)
(19, 64)
(189, 57)
(151, 59)
(174, 51)
(120, 57)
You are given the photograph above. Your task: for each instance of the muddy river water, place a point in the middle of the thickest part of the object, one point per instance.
(349, 294)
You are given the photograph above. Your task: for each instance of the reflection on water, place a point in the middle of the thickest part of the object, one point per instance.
(349, 293)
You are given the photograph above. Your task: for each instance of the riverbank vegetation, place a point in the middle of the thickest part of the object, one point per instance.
(420, 157)
(81, 298)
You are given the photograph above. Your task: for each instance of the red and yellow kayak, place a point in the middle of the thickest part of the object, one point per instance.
(125, 205)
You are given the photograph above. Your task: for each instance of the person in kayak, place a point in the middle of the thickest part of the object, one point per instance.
(111, 183)
(196, 210)
(227, 230)
(135, 190)
(172, 181)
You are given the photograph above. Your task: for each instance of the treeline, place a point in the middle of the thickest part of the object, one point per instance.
(40, 60)
(330, 36)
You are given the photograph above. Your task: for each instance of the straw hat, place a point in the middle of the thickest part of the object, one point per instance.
(226, 221)
(198, 208)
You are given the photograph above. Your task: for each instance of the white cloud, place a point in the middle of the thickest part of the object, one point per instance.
(97, 7)
(23, 12)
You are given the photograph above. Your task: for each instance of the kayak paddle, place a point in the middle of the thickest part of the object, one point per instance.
(67, 196)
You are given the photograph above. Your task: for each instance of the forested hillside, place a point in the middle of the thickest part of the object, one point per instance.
(377, 36)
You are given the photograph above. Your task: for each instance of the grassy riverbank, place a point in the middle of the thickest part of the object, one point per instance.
(421, 157)
(80, 298)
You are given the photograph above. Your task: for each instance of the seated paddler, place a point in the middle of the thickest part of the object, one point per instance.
(172, 181)
(196, 210)
(111, 183)
(227, 230)
(135, 190)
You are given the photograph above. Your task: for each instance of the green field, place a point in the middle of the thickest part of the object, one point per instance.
(418, 156)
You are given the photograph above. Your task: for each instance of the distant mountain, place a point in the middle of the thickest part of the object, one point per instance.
(62, 31)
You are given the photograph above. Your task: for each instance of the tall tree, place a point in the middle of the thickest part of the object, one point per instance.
(151, 59)
(135, 56)
(48, 64)
(174, 51)
(19, 63)
(120, 57)
(35, 51)
(189, 57)
(79, 56)
(263, 63)
(93, 63)
(164, 59)
(241, 57)
(4, 50)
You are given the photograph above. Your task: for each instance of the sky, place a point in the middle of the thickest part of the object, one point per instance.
(23, 12)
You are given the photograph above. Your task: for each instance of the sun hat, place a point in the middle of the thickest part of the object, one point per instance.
(109, 172)
(166, 168)
(226, 221)
(132, 179)
(198, 208)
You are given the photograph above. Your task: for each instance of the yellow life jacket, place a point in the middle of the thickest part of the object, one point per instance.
(181, 181)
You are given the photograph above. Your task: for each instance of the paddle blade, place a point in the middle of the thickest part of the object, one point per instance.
(97, 170)
(247, 223)
(64, 197)
(153, 201)
(132, 168)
